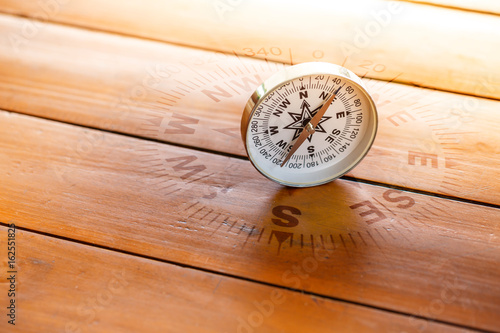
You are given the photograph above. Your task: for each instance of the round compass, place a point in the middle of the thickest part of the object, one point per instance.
(309, 124)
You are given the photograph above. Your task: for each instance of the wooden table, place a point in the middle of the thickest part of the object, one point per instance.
(135, 208)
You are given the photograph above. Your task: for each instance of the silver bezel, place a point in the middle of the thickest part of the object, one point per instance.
(295, 72)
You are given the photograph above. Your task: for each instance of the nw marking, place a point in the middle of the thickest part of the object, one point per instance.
(184, 166)
(179, 126)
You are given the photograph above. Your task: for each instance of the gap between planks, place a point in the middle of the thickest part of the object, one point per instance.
(187, 40)
(475, 232)
(236, 156)
(240, 278)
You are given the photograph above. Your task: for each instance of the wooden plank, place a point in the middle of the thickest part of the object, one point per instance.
(409, 38)
(394, 250)
(90, 289)
(185, 96)
(485, 6)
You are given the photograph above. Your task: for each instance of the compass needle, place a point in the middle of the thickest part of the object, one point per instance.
(279, 118)
(310, 128)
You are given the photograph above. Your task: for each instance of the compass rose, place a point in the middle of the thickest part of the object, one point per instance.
(300, 120)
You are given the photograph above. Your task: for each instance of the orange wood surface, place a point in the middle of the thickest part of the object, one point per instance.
(425, 45)
(123, 193)
(113, 292)
(168, 93)
(122, 164)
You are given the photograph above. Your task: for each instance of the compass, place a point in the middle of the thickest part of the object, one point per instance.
(308, 124)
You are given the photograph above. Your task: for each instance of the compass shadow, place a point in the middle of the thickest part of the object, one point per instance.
(317, 221)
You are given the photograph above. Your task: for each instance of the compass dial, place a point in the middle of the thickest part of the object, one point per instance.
(309, 124)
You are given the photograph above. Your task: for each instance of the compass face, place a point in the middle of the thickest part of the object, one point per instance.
(283, 106)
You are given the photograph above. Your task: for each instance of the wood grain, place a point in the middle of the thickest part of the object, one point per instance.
(424, 45)
(87, 289)
(194, 232)
(394, 250)
(195, 98)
